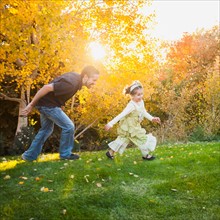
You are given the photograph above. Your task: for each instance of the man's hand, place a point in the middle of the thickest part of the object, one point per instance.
(27, 109)
(156, 119)
(42, 92)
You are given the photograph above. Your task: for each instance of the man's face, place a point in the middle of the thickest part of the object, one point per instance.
(90, 81)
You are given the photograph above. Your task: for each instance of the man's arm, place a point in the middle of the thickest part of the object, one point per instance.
(42, 92)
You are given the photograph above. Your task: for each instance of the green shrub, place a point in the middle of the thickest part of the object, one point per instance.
(198, 134)
(22, 140)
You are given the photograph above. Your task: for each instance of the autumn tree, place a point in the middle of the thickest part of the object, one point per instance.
(36, 45)
(42, 39)
(190, 63)
(120, 28)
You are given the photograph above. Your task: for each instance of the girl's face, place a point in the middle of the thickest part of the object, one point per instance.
(138, 96)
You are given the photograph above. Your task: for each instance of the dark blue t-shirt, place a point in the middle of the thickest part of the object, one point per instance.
(65, 86)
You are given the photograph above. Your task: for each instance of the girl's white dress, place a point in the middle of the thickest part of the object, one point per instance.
(130, 129)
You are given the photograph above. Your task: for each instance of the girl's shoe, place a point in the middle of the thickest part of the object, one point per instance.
(149, 158)
(109, 155)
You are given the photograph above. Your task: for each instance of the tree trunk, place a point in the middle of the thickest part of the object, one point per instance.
(22, 121)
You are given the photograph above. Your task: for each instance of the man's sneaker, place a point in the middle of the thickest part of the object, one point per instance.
(23, 158)
(71, 157)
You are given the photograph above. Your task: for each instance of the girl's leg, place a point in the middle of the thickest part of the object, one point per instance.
(117, 145)
(149, 146)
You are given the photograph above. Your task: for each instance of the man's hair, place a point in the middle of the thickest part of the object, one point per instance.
(89, 71)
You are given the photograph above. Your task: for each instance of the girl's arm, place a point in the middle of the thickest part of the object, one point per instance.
(147, 115)
(128, 109)
(150, 117)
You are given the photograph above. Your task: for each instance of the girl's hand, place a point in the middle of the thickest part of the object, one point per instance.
(156, 119)
(107, 127)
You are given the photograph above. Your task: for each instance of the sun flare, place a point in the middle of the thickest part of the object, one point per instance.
(97, 50)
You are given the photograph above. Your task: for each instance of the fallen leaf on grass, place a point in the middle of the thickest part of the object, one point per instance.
(131, 174)
(136, 176)
(21, 183)
(7, 177)
(152, 201)
(174, 190)
(23, 177)
(98, 184)
(86, 178)
(45, 189)
(72, 177)
(64, 211)
(135, 162)
(37, 178)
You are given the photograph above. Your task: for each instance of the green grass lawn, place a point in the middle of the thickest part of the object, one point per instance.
(182, 183)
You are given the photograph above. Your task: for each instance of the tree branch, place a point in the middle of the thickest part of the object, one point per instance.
(5, 97)
(85, 129)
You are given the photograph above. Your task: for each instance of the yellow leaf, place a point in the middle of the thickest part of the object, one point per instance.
(21, 183)
(44, 189)
(13, 11)
(7, 177)
(37, 178)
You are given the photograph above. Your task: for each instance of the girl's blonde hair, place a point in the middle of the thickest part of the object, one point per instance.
(131, 90)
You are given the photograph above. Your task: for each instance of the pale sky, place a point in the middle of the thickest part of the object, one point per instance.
(174, 17)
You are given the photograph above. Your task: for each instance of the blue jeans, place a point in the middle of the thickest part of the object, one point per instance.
(48, 117)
